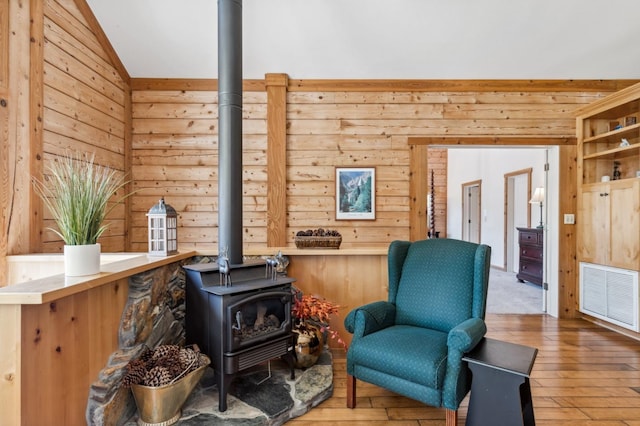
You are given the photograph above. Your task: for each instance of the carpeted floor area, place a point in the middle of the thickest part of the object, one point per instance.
(507, 295)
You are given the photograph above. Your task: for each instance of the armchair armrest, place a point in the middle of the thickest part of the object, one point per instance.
(462, 338)
(370, 318)
(465, 336)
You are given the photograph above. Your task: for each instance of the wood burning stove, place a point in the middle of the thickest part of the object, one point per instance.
(240, 325)
(237, 313)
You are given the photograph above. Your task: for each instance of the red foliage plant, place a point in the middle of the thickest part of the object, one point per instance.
(315, 310)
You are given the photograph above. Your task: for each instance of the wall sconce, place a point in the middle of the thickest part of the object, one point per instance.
(163, 230)
(538, 198)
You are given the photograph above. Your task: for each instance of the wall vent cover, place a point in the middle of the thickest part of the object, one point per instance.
(610, 294)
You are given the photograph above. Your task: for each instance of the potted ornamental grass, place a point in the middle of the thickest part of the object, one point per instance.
(77, 192)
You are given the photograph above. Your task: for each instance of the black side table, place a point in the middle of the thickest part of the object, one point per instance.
(500, 390)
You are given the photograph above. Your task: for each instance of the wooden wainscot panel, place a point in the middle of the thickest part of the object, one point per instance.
(349, 280)
(55, 372)
(10, 364)
(105, 306)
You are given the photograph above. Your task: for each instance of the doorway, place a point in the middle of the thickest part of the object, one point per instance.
(471, 208)
(517, 193)
(563, 151)
(507, 177)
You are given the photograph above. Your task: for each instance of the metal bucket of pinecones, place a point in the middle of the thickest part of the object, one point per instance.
(162, 379)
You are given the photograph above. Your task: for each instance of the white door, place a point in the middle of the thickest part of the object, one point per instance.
(471, 212)
(517, 205)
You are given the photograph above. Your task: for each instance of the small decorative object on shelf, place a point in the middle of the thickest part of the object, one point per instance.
(283, 263)
(431, 210)
(271, 268)
(224, 268)
(311, 322)
(161, 381)
(318, 238)
(616, 170)
(163, 229)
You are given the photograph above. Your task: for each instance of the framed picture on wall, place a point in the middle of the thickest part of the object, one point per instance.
(355, 193)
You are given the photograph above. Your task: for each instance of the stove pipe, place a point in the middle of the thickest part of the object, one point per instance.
(230, 129)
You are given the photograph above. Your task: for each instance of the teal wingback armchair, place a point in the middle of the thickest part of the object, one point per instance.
(413, 343)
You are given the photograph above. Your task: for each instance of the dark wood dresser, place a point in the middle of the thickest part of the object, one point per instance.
(531, 250)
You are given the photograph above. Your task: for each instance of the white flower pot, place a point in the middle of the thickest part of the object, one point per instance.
(81, 260)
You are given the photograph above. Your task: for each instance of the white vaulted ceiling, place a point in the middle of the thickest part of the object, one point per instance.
(379, 39)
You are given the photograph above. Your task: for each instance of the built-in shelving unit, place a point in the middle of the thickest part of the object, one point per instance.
(608, 133)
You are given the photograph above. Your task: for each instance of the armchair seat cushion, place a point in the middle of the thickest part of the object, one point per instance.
(415, 354)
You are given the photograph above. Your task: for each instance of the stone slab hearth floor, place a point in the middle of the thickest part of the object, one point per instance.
(272, 402)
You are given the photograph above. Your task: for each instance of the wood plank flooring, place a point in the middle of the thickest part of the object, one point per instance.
(583, 375)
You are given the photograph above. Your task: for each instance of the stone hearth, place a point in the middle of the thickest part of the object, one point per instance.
(250, 402)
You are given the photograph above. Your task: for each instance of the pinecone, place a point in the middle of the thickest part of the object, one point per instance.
(157, 376)
(136, 370)
(188, 359)
(146, 356)
(164, 352)
(203, 360)
(173, 366)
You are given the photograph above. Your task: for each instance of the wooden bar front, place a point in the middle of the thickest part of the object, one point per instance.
(57, 334)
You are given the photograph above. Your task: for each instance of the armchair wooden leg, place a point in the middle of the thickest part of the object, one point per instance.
(351, 391)
(452, 417)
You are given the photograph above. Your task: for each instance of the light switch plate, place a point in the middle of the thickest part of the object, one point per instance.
(569, 219)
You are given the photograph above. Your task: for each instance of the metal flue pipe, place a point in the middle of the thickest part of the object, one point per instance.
(230, 129)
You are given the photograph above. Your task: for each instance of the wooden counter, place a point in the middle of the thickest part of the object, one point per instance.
(47, 289)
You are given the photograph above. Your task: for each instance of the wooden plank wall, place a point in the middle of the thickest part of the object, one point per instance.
(4, 137)
(4, 47)
(84, 106)
(328, 125)
(17, 142)
(329, 129)
(175, 156)
(15, 122)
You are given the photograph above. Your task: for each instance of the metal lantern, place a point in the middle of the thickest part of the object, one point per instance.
(163, 229)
